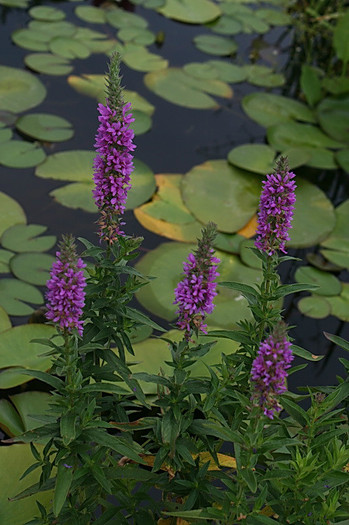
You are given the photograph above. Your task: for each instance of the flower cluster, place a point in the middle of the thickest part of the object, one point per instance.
(195, 293)
(276, 209)
(269, 371)
(65, 296)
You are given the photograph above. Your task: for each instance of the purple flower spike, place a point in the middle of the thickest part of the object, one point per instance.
(65, 296)
(113, 164)
(195, 293)
(276, 209)
(269, 371)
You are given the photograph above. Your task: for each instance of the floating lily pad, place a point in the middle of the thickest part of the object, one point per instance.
(68, 47)
(14, 295)
(314, 306)
(44, 127)
(52, 29)
(228, 72)
(274, 17)
(48, 64)
(294, 134)
(328, 283)
(74, 165)
(47, 13)
(7, 118)
(321, 158)
(20, 154)
(10, 213)
(340, 304)
(95, 45)
(137, 35)
(299, 156)
(92, 14)
(333, 115)
(226, 25)
(175, 86)
(143, 185)
(250, 22)
(32, 268)
(150, 4)
(258, 158)
(338, 257)
(215, 45)
(30, 39)
(268, 109)
(317, 260)
(31, 404)
(142, 122)
(248, 257)
(10, 421)
(5, 323)
(314, 216)
(15, 3)
(77, 195)
(5, 134)
(263, 76)
(201, 70)
(215, 191)
(25, 238)
(16, 459)
(5, 257)
(166, 264)
(120, 18)
(190, 11)
(342, 157)
(339, 236)
(19, 90)
(228, 242)
(139, 58)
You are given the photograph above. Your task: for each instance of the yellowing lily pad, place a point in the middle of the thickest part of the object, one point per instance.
(44, 127)
(11, 213)
(215, 191)
(19, 90)
(190, 11)
(48, 63)
(25, 238)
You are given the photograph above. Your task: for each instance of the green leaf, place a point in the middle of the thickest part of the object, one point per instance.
(11, 213)
(67, 47)
(327, 284)
(67, 427)
(333, 116)
(10, 421)
(29, 39)
(258, 158)
(295, 411)
(43, 376)
(287, 289)
(20, 154)
(91, 14)
(250, 478)
(208, 513)
(119, 18)
(44, 127)
(48, 64)
(342, 343)
(33, 268)
(25, 238)
(340, 38)
(30, 404)
(14, 295)
(115, 443)
(305, 354)
(74, 165)
(314, 306)
(215, 45)
(310, 84)
(295, 134)
(63, 482)
(190, 11)
(46, 13)
(138, 57)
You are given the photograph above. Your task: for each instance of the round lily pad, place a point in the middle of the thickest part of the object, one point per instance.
(215, 191)
(48, 64)
(5, 134)
(274, 17)
(258, 158)
(321, 158)
(14, 295)
(314, 216)
(139, 58)
(30, 39)
(45, 127)
(340, 304)
(339, 236)
(77, 195)
(268, 109)
(74, 165)
(328, 283)
(142, 122)
(10, 421)
(226, 25)
(20, 154)
(31, 404)
(295, 134)
(10, 213)
(263, 76)
(25, 238)
(201, 70)
(33, 268)
(120, 18)
(19, 90)
(150, 4)
(91, 14)
(215, 45)
(333, 116)
(190, 11)
(314, 306)
(5, 322)
(5, 257)
(143, 185)
(15, 3)
(18, 350)
(47, 13)
(342, 157)
(228, 72)
(52, 29)
(338, 257)
(137, 35)
(68, 47)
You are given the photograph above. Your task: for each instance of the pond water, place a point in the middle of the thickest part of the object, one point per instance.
(179, 139)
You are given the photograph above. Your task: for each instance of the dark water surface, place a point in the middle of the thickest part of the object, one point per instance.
(179, 139)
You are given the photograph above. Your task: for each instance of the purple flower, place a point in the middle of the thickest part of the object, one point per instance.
(276, 209)
(65, 296)
(195, 293)
(269, 371)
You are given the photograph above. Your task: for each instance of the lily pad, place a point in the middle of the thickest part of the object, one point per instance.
(342, 157)
(137, 35)
(91, 14)
(333, 116)
(166, 264)
(74, 165)
(31, 404)
(143, 185)
(52, 29)
(226, 25)
(15, 294)
(30, 39)
(328, 284)
(10, 421)
(139, 58)
(5, 323)
(215, 191)
(142, 122)
(25, 238)
(314, 216)
(314, 306)
(20, 154)
(190, 11)
(268, 109)
(48, 64)
(201, 70)
(215, 45)
(338, 257)
(5, 134)
(68, 47)
(258, 158)
(5, 257)
(15, 3)
(47, 13)
(19, 90)
(120, 18)
(11, 213)
(274, 17)
(33, 268)
(321, 158)
(77, 195)
(16, 459)
(228, 72)
(45, 127)
(248, 257)
(339, 236)
(340, 304)
(18, 350)
(294, 134)
(263, 76)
